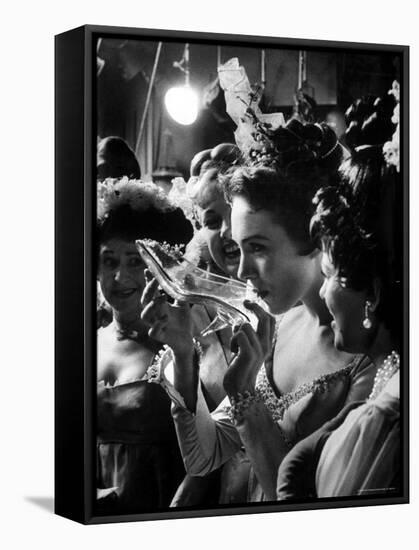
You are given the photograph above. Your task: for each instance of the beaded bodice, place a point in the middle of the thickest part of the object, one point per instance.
(278, 405)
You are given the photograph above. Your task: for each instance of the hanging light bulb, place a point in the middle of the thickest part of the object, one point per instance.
(182, 102)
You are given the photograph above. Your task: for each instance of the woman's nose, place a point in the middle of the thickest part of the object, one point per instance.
(322, 291)
(245, 271)
(225, 231)
(120, 274)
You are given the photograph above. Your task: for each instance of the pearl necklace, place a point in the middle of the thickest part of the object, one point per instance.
(390, 366)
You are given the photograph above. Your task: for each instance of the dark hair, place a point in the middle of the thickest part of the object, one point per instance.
(127, 224)
(301, 159)
(116, 159)
(358, 225)
(132, 210)
(369, 121)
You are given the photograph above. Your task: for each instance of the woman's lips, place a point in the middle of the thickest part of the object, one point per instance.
(124, 293)
(231, 251)
(261, 293)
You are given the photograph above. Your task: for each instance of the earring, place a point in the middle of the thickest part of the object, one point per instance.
(367, 323)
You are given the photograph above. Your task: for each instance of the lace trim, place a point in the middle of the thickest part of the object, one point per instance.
(277, 406)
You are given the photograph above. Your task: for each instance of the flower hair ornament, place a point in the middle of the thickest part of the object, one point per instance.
(181, 195)
(266, 138)
(137, 195)
(391, 148)
(242, 105)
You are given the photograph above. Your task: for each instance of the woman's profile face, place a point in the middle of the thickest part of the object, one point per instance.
(270, 260)
(215, 218)
(121, 274)
(347, 307)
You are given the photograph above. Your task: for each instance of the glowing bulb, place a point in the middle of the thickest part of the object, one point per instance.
(182, 104)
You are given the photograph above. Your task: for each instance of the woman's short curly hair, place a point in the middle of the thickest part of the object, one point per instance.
(218, 161)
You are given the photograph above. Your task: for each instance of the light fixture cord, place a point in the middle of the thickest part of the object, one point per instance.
(147, 102)
(186, 57)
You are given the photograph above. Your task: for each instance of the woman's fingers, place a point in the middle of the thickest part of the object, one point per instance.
(251, 336)
(155, 310)
(151, 290)
(240, 344)
(266, 325)
(157, 330)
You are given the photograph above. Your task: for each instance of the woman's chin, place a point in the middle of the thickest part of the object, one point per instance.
(231, 270)
(272, 307)
(126, 307)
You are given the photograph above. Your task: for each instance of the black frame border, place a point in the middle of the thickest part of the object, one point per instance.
(75, 270)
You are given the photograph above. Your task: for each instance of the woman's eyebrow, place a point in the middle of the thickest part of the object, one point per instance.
(256, 236)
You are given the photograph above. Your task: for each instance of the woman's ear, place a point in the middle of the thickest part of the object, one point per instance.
(375, 294)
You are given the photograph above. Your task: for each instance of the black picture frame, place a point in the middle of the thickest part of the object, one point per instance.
(75, 269)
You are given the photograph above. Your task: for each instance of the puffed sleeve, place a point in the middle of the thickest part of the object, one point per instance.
(297, 472)
(363, 455)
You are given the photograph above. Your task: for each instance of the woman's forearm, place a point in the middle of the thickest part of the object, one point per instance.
(206, 440)
(186, 375)
(265, 445)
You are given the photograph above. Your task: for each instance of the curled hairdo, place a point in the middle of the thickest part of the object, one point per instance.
(221, 157)
(219, 161)
(284, 182)
(369, 122)
(132, 209)
(356, 225)
(337, 227)
(295, 142)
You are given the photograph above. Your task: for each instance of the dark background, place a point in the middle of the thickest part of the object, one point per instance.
(335, 77)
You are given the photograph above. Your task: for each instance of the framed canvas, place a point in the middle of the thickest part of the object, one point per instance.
(195, 172)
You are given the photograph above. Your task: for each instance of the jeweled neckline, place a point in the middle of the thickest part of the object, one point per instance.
(390, 366)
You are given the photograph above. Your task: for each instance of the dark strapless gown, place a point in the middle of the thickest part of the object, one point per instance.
(139, 465)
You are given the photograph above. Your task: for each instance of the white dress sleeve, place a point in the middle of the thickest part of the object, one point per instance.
(206, 440)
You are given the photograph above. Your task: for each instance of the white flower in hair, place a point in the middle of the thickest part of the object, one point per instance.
(179, 196)
(138, 195)
(242, 105)
(391, 149)
(391, 154)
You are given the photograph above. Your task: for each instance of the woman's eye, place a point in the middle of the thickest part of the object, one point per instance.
(212, 223)
(256, 248)
(135, 262)
(110, 262)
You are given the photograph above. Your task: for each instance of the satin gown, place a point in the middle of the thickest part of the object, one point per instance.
(210, 440)
(356, 453)
(139, 466)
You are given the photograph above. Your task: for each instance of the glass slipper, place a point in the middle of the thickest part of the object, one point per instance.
(185, 282)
